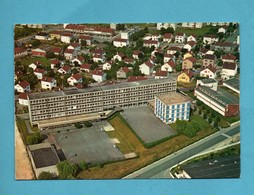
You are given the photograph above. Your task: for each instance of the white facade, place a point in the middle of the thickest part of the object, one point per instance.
(41, 37)
(228, 73)
(23, 102)
(99, 78)
(211, 83)
(187, 46)
(191, 38)
(39, 75)
(20, 89)
(192, 24)
(208, 73)
(33, 66)
(166, 67)
(210, 40)
(165, 25)
(106, 66)
(121, 43)
(66, 39)
(145, 69)
(72, 81)
(180, 38)
(222, 30)
(48, 84)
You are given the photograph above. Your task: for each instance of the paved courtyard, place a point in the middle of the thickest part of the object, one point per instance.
(148, 127)
(89, 144)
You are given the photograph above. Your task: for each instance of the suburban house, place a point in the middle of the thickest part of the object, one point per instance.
(209, 72)
(56, 50)
(38, 52)
(34, 65)
(210, 39)
(168, 57)
(228, 70)
(188, 63)
(66, 37)
(39, 72)
(172, 50)
(228, 58)
(208, 60)
(161, 74)
(187, 55)
(119, 56)
(42, 36)
(69, 54)
(74, 46)
(192, 38)
(55, 34)
(48, 83)
(118, 42)
(23, 99)
(192, 24)
(146, 68)
(222, 29)
(128, 60)
(74, 79)
(180, 37)
(99, 75)
(99, 58)
(211, 83)
(156, 51)
(136, 54)
(122, 73)
(88, 39)
(54, 63)
(159, 26)
(85, 67)
(78, 60)
(150, 43)
(20, 52)
(23, 87)
(107, 65)
(17, 74)
(65, 69)
(167, 37)
(189, 45)
(185, 76)
(168, 66)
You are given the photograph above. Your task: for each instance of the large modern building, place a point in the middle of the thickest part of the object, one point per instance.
(220, 100)
(77, 102)
(171, 107)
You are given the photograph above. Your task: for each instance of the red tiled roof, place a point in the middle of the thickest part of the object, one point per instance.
(98, 72)
(171, 63)
(79, 86)
(191, 43)
(209, 56)
(88, 28)
(136, 52)
(149, 64)
(224, 44)
(161, 73)
(188, 73)
(228, 57)
(76, 76)
(192, 59)
(23, 96)
(179, 34)
(24, 84)
(75, 45)
(97, 51)
(55, 49)
(121, 40)
(70, 51)
(169, 56)
(66, 68)
(174, 48)
(39, 70)
(150, 42)
(18, 50)
(47, 79)
(136, 78)
(85, 66)
(203, 50)
(230, 66)
(120, 54)
(66, 34)
(211, 68)
(80, 58)
(128, 60)
(54, 61)
(167, 36)
(55, 32)
(125, 69)
(85, 37)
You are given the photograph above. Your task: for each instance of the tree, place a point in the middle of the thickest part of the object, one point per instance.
(34, 138)
(210, 120)
(88, 124)
(35, 43)
(191, 129)
(213, 114)
(78, 125)
(218, 119)
(66, 170)
(205, 116)
(139, 43)
(83, 165)
(45, 175)
(50, 55)
(181, 126)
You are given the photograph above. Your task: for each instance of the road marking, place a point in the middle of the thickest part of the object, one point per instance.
(226, 135)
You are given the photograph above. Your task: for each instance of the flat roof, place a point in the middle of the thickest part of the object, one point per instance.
(99, 88)
(234, 82)
(221, 96)
(43, 156)
(222, 167)
(173, 98)
(206, 81)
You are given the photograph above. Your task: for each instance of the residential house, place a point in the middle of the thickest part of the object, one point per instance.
(188, 63)
(107, 65)
(88, 39)
(39, 72)
(229, 70)
(99, 58)
(172, 50)
(128, 60)
(118, 42)
(65, 69)
(34, 65)
(74, 46)
(146, 68)
(48, 83)
(161, 74)
(208, 60)
(55, 34)
(159, 26)
(56, 50)
(23, 87)
(122, 73)
(167, 37)
(189, 46)
(136, 54)
(156, 51)
(54, 63)
(192, 24)
(211, 83)
(222, 29)
(78, 60)
(168, 57)
(180, 37)
(66, 37)
(210, 39)
(17, 74)
(74, 79)
(23, 99)
(209, 72)
(169, 66)
(119, 56)
(86, 67)
(69, 54)
(43, 36)
(99, 75)
(228, 58)
(185, 76)
(150, 43)
(202, 51)
(38, 52)
(187, 55)
(192, 38)
(20, 52)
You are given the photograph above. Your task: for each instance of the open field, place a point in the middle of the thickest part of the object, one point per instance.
(197, 31)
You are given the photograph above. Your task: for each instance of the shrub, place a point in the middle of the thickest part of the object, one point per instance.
(45, 175)
(210, 120)
(78, 125)
(83, 165)
(66, 170)
(34, 138)
(88, 124)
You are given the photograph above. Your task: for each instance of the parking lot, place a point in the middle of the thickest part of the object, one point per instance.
(89, 144)
(148, 127)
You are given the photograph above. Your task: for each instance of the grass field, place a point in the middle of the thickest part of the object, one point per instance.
(29, 60)
(146, 156)
(22, 129)
(198, 31)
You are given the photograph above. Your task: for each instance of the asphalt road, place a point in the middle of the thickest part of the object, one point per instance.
(159, 167)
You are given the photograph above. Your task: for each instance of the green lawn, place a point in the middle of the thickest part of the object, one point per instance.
(28, 60)
(198, 31)
(22, 129)
(232, 119)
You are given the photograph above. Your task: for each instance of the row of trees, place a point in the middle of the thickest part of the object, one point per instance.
(188, 128)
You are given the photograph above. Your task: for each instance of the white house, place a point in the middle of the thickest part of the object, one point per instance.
(122, 72)
(192, 24)
(107, 65)
(167, 37)
(192, 38)
(209, 39)
(189, 45)
(19, 51)
(229, 70)
(172, 50)
(161, 74)
(168, 57)
(79, 60)
(65, 69)
(54, 63)
(85, 67)
(23, 87)
(136, 53)
(118, 56)
(66, 37)
(41, 36)
(168, 66)
(74, 79)
(48, 83)
(209, 72)
(222, 29)
(87, 39)
(180, 37)
(39, 72)
(118, 42)
(56, 50)
(99, 58)
(74, 46)
(211, 83)
(99, 75)
(23, 99)
(150, 43)
(69, 54)
(146, 68)
(228, 58)
(159, 26)
(34, 65)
